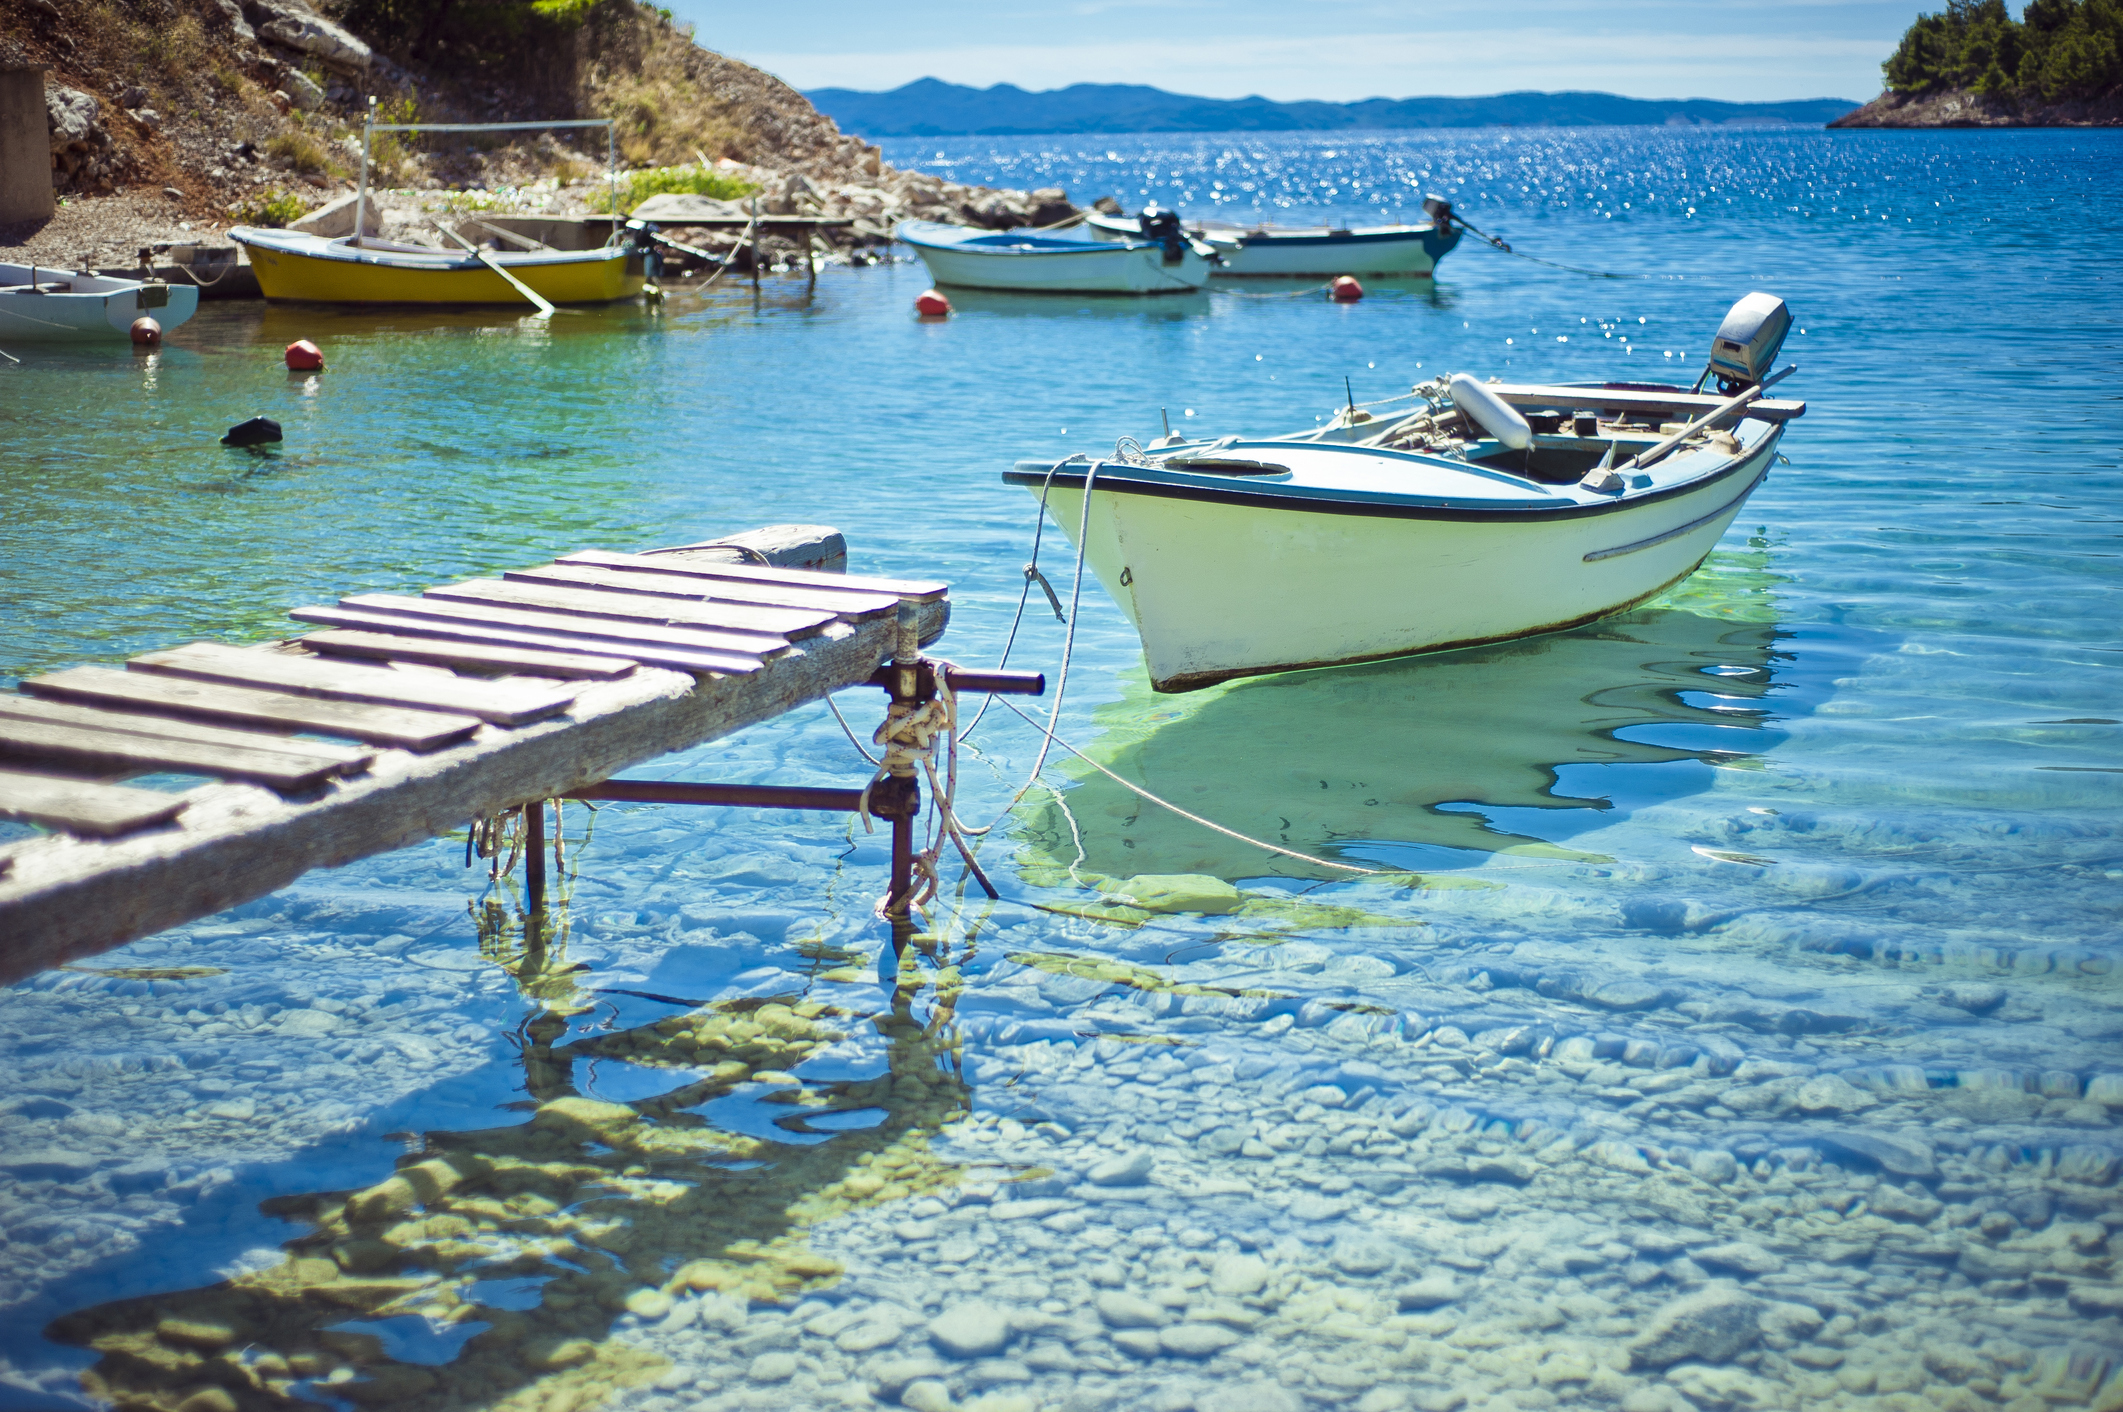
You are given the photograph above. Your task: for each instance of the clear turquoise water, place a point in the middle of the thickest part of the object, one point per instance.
(1764, 966)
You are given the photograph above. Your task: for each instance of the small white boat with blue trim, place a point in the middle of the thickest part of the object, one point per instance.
(1318, 251)
(1033, 262)
(40, 304)
(1479, 512)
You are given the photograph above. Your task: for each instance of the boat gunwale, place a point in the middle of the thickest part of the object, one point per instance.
(1124, 478)
(1106, 248)
(435, 259)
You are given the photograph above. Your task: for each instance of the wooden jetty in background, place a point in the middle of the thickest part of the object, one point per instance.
(406, 716)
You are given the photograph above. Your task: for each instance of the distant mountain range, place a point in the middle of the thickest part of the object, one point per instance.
(932, 108)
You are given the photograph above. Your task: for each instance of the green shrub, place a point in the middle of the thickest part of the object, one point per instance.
(299, 150)
(273, 210)
(637, 187)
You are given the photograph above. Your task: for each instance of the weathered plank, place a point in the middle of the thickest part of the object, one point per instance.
(694, 612)
(112, 753)
(617, 643)
(694, 586)
(919, 590)
(1567, 399)
(65, 899)
(349, 759)
(216, 701)
(750, 644)
(502, 702)
(387, 647)
(84, 806)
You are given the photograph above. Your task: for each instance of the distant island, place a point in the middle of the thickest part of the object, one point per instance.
(2059, 65)
(932, 108)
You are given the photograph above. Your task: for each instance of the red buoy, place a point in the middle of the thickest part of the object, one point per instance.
(931, 305)
(1345, 290)
(146, 332)
(304, 356)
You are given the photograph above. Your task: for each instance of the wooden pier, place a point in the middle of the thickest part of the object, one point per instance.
(407, 716)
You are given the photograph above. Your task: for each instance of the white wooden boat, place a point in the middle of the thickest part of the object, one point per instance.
(1487, 512)
(1035, 263)
(41, 304)
(1318, 251)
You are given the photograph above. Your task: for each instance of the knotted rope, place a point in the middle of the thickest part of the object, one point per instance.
(907, 739)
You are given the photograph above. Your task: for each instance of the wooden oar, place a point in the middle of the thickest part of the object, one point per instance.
(545, 309)
(1723, 409)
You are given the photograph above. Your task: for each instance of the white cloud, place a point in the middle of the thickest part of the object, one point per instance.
(1337, 68)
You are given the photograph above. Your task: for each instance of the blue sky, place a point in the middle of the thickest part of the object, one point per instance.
(1742, 50)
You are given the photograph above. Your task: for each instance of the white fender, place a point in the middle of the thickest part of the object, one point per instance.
(1497, 416)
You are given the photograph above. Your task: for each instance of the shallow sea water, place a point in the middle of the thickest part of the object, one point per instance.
(1735, 1023)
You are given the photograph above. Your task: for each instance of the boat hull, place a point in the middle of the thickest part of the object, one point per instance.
(1220, 589)
(1405, 251)
(93, 315)
(329, 272)
(1098, 269)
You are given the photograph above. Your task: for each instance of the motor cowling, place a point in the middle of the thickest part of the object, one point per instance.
(1439, 210)
(1748, 342)
(1163, 227)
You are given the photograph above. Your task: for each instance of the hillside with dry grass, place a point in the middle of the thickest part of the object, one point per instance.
(201, 113)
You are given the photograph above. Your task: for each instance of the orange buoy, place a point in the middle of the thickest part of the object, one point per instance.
(304, 356)
(931, 305)
(1345, 290)
(146, 332)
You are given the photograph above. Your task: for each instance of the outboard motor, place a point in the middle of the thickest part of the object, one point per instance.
(1748, 342)
(1439, 210)
(1163, 227)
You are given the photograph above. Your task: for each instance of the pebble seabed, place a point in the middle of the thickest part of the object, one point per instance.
(1376, 1147)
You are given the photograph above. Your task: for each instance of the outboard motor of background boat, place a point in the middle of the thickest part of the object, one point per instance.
(1439, 210)
(1163, 227)
(1747, 342)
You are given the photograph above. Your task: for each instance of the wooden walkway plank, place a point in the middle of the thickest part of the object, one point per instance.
(84, 806)
(387, 647)
(786, 623)
(617, 644)
(350, 759)
(62, 900)
(113, 753)
(504, 703)
(916, 590)
(215, 701)
(750, 644)
(696, 584)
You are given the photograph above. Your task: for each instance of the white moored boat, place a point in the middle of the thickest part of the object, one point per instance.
(1035, 263)
(1488, 512)
(41, 304)
(1318, 251)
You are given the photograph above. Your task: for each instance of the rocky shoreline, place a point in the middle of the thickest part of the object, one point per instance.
(271, 101)
(1960, 107)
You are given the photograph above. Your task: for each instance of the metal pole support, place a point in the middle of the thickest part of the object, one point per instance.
(534, 854)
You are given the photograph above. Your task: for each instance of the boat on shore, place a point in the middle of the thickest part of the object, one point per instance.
(1318, 251)
(1482, 513)
(1030, 262)
(370, 270)
(43, 305)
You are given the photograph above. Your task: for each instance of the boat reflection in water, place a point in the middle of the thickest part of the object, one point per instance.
(490, 1267)
(1411, 763)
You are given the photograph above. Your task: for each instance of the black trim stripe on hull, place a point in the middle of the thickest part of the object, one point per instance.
(1732, 505)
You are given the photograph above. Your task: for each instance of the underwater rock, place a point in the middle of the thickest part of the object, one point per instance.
(1831, 1094)
(1177, 892)
(1430, 1292)
(1712, 1324)
(1122, 1310)
(1122, 1169)
(1743, 1256)
(970, 1330)
(1235, 1276)
(1905, 1157)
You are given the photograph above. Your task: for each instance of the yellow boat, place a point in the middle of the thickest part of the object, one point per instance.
(292, 265)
